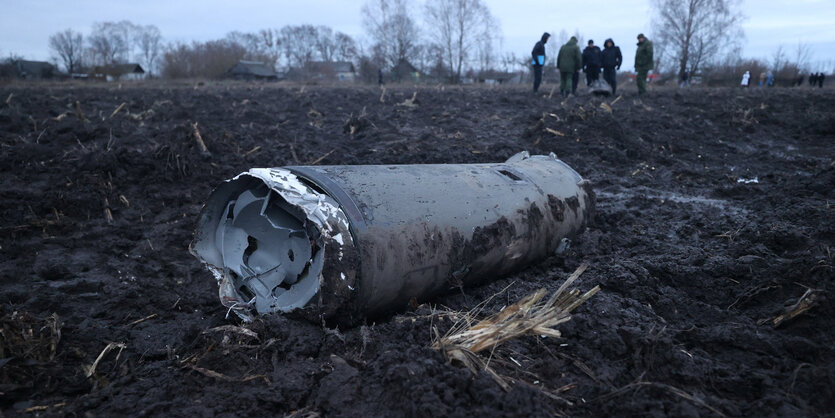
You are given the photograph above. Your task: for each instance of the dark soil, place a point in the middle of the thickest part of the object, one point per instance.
(693, 264)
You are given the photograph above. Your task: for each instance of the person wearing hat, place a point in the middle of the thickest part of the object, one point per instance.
(591, 63)
(643, 62)
(569, 61)
(538, 60)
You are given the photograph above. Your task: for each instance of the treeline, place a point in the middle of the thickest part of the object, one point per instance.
(107, 43)
(703, 40)
(440, 40)
(443, 39)
(288, 47)
(786, 68)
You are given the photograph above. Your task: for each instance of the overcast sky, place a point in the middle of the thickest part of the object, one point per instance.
(25, 25)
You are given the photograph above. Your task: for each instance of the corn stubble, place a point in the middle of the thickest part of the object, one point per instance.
(532, 315)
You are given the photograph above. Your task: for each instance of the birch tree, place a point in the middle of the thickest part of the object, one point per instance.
(458, 26)
(149, 43)
(696, 32)
(391, 28)
(110, 42)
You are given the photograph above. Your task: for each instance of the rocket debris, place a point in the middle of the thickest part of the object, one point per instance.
(347, 242)
(600, 88)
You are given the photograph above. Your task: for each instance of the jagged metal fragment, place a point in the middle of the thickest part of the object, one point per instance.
(350, 241)
(262, 235)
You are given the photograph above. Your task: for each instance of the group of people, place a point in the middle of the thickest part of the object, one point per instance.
(816, 78)
(592, 60)
(767, 79)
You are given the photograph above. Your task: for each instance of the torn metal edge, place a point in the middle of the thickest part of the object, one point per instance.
(319, 208)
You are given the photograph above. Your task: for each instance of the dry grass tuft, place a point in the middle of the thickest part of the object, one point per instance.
(118, 109)
(199, 138)
(25, 336)
(532, 315)
(803, 304)
(90, 370)
(409, 102)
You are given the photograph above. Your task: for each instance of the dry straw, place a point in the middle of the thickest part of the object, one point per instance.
(532, 315)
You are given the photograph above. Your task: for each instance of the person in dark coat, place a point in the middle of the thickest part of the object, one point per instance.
(821, 77)
(611, 59)
(685, 79)
(591, 63)
(538, 60)
(813, 78)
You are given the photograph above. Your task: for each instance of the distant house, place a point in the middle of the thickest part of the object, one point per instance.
(339, 70)
(344, 70)
(115, 72)
(405, 71)
(252, 70)
(33, 70)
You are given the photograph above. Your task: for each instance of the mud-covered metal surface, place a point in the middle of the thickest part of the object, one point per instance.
(276, 238)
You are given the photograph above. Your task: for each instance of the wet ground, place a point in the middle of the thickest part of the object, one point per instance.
(714, 216)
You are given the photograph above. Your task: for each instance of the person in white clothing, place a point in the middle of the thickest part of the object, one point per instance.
(745, 78)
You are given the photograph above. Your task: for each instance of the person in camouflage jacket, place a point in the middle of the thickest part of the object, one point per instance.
(643, 62)
(569, 61)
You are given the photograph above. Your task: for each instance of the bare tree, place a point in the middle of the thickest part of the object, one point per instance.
(250, 41)
(394, 33)
(299, 44)
(110, 42)
(489, 44)
(779, 60)
(325, 43)
(511, 63)
(661, 59)
(369, 62)
(695, 32)
(345, 49)
(271, 39)
(259, 46)
(68, 45)
(786, 68)
(803, 55)
(458, 25)
(149, 42)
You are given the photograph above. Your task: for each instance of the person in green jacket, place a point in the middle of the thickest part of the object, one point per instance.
(569, 61)
(643, 62)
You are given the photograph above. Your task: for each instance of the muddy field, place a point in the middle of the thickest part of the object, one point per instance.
(715, 215)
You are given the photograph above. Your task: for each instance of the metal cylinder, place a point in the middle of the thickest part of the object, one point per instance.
(354, 241)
